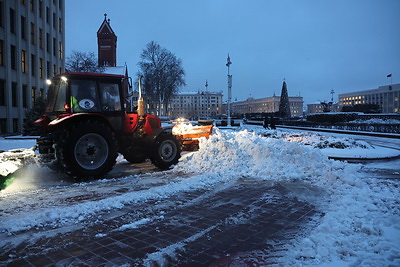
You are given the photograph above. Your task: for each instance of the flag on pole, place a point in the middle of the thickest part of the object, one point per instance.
(389, 75)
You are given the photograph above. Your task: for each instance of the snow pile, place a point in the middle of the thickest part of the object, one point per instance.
(12, 160)
(245, 154)
(321, 141)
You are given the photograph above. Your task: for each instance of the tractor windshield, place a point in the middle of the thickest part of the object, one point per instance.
(56, 96)
(84, 97)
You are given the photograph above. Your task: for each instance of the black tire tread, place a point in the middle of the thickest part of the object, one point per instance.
(64, 146)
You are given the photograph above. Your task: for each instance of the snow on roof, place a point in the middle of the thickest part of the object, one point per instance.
(119, 70)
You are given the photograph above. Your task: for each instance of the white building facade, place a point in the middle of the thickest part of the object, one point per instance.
(32, 38)
(267, 105)
(195, 105)
(387, 97)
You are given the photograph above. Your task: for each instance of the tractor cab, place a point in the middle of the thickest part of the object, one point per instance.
(86, 93)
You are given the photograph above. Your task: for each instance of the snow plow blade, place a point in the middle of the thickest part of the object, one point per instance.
(12, 160)
(189, 135)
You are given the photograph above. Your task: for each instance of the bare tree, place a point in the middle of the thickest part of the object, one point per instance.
(82, 62)
(163, 74)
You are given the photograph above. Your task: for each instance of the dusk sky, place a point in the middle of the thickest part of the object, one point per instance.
(316, 45)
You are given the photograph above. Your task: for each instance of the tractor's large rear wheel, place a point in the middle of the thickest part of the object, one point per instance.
(166, 151)
(87, 149)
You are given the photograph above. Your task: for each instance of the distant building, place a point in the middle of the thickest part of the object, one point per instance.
(267, 105)
(32, 41)
(387, 97)
(196, 105)
(319, 108)
(106, 44)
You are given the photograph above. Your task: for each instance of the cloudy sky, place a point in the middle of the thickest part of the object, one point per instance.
(316, 45)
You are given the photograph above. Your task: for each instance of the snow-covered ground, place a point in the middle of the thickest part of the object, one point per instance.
(360, 226)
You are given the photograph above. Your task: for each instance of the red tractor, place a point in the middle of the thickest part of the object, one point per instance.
(89, 120)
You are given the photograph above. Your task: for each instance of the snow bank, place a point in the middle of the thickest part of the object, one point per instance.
(247, 154)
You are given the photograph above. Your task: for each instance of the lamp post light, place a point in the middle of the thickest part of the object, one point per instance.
(228, 63)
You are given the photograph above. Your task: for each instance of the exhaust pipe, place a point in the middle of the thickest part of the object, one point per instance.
(140, 109)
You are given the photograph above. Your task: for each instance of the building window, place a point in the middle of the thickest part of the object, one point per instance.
(60, 25)
(47, 15)
(3, 123)
(54, 69)
(23, 61)
(54, 20)
(1, 53)
(60, 50)
(33, 64)
(32, 5)
(15, 125)
(24, 95)
(1, 14)
(2, 92)
(48, 69)
(12, 20)
(41, 93)
(41, 38)
(33, 33)
(54, 47)
(40, 8)
(23, 27)
(22, 2)
(14, 96)
(33, 95)
(13, 57)
(48, 42)
(41, 68)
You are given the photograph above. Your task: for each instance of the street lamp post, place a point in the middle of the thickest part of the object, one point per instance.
(207, 99)
(228, 63)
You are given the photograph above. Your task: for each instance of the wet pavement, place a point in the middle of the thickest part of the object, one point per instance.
(243, 223)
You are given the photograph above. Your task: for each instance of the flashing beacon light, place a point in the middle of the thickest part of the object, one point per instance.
(48, 81)
(63, 78)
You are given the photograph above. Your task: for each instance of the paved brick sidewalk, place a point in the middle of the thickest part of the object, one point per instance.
(248, 223)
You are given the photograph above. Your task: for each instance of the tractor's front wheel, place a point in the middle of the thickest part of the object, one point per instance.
(87, 149)
(166, 151)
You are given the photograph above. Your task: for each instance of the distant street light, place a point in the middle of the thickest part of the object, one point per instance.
(228, 63)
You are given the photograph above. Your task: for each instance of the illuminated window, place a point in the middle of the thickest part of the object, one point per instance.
(33, 95)
(41, 68)
(60, 50)
(23, 61)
